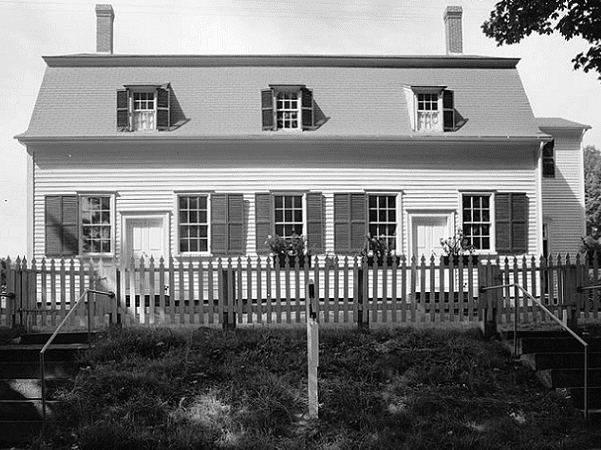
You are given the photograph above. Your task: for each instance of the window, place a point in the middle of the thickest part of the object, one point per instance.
(79, 224)
(382, 218)
(193, 224)
(212, 223)
(287, 108)
(508, 214)
(434, 109)
(96, 227)
(144, 111)
(288, 212)
(144, 108)
(477, 220)
(285, 214)
(357, 214)
(427, 112)
(549, 159)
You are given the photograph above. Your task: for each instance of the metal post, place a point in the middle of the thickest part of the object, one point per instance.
(312, 311)
(89, 321)
(586, 383)
(43, 386)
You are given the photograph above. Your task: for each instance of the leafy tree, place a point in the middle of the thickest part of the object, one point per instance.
(592, 189)
(512, 20)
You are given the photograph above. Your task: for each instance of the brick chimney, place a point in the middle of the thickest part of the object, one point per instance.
(104, 28)
(453, 30)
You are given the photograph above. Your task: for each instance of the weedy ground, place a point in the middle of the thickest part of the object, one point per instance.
(247, 389)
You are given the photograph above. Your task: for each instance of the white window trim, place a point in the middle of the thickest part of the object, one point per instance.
(399, 215)
(177, 195)
(299, 109)
(412, 93)
(135, 215)
(493, 216)
(304, 206)
(113, 217)
(413, 214)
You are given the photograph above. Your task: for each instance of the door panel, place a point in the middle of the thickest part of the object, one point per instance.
(145, 238)
(427, 233)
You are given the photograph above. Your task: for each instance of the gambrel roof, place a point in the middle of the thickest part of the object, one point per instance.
(361, 97)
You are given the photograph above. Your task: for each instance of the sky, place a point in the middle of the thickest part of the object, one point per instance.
(30, 29)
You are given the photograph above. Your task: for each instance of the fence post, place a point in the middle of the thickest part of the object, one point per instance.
(571, 296)
(362, 313)
(489, 275)
(228, 294)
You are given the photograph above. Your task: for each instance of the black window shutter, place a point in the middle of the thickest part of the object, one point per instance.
(61, 213)
(263, 223)
(235, 223)
(349, 222)
(227, 224)
(448, 110)
(511, 222)
(163, 108)
(315, 222)
(123, 110)
(219, 224)
(307, 108)
(267, 109)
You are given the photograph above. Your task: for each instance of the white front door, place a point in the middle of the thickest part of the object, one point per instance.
(426, 233)
(145, 237)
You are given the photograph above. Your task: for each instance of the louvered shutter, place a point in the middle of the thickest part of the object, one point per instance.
(511, 222)
(349, 222)
(267, 109)
(123, 123)
(263, 222)
(315, 222)
(235, 223)
(62, 237)
(448, 110)
(307, 108)
(519, 222)
(163, 108)
(219, 224)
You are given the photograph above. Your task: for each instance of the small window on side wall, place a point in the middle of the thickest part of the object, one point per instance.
(549, 159)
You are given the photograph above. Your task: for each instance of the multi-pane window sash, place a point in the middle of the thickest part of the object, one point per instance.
(477, 220)
(95, 224)
(288, 214)
(287, 111)
(193, 223)
(428, 115)
(144, 111)
(382, 218)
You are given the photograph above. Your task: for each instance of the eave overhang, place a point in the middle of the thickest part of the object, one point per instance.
(437, 61)
(281, 137)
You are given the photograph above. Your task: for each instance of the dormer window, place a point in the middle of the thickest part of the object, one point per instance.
(144, 108)
(287, 108)
(433, 109)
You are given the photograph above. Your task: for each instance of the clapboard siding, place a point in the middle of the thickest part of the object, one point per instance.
(146, 178)
(563, 196)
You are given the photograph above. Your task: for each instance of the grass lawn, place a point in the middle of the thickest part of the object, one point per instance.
(246, 389)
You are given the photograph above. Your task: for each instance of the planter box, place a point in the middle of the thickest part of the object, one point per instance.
(292, 261)
(457, 258)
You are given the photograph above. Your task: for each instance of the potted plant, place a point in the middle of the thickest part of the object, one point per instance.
(292, 247)
(456, 247)
(377, 249)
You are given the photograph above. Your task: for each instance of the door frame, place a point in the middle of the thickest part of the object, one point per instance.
(129, 216)
(449, 214)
